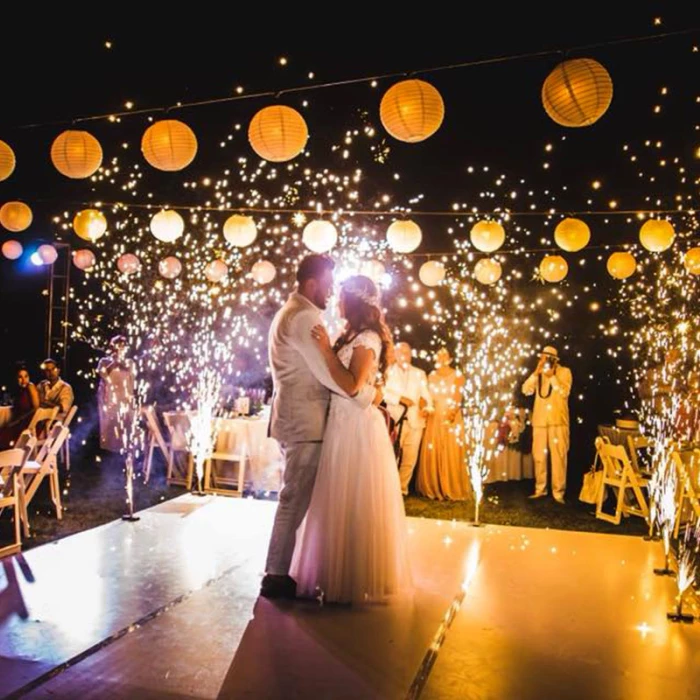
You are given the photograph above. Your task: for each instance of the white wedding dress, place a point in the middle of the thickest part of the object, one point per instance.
(351, 548)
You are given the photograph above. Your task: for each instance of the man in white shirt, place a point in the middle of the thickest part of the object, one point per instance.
(53, 391)
(407, 386)
(551, 384)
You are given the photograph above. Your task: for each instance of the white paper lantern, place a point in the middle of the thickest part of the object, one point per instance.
(572, 235)
(404, 236)
(432, 273)
(84, 259)
(16, 216)
(553, 268)
(487, 236)
(657, 235)
(621, 265)
(128, 264)
(320, 236)
(47, 254)
(240, 231)
(278, 133)
(7, 161)
(167, 226)
(263, 272)
(169, 267)
(90, 224)
(691, 261)
(488, 271)
(12, 250)
(216, 270)
(373, 269)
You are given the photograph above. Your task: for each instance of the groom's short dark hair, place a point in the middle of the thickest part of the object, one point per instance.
(313, 266)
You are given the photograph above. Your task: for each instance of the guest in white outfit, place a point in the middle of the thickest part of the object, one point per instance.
(302, 396)
(53, 391)
(114, 394)
(551, 384)
(407, 386)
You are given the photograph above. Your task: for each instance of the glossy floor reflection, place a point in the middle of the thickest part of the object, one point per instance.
(547, 614)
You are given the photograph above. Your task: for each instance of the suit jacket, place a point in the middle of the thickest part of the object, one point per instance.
(551, 397)
(60, 395)
(301, 378)
(412, 383)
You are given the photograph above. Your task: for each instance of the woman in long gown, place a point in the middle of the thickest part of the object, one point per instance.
(117, 376)
(23, 407)
(352, 545)
(442, 472)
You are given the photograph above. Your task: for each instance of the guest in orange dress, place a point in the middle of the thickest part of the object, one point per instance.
(442, 472)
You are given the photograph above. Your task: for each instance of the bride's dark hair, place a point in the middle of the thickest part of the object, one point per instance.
(362, 312)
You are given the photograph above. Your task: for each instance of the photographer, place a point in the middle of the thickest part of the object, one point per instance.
(551, 384)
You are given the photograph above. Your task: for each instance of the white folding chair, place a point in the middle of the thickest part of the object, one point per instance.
(43, 418)
(155, 439)
(215, 483)
(65, 451)
(178, 424)
(687, 466)
(11, 464)
(635, 444)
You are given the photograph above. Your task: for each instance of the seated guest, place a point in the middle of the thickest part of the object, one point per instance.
(53, 391)
(25, 403)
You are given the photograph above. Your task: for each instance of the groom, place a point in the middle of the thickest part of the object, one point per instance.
(302, 395)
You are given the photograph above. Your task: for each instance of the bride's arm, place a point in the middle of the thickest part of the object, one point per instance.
(349, 380)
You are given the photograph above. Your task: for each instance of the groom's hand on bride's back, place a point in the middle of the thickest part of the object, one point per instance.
(378, 396)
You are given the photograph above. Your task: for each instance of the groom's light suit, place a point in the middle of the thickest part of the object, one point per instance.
(302, 394)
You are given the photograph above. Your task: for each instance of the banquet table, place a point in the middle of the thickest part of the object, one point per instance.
(5, 414)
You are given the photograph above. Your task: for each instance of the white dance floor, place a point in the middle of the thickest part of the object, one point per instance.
(167, 608)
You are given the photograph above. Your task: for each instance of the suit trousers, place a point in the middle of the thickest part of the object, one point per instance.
(552, 441)
(410, 446)
(300, 466)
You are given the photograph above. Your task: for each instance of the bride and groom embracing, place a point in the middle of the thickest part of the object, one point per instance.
(340, 526)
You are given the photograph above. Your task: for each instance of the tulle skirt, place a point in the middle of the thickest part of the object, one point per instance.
(351, 547)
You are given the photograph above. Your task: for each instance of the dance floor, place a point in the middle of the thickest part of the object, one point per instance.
(167, 608)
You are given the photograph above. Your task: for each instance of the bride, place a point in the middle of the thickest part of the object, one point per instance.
(352, 545)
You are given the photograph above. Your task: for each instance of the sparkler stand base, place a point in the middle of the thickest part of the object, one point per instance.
(651, 538)
(665, 572)
(198, 493)
(680, 617)
(475, 524)
(130, 518)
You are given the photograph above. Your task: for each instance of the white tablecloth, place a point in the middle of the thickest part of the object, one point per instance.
(5, 414)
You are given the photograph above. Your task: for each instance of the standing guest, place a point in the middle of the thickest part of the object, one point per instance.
(25, 403)
(442, 472)
(114, 394)
(53, 391)
(551, 384)
(407, 387)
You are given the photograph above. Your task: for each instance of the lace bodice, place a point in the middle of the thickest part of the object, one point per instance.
(366, 339)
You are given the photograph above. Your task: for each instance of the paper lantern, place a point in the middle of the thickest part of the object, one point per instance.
(487, 236)
(278, 133)
(15, 216)
(431, 273)
(553, 268)
(373, 269)
(216, 270)
(169, 267)
(263, 272)
(12, 250)
(404, 236)
(572, 235)
(128, 264)
(621, 265)
(84, 259)
(76, 154)
(657, 235)
(577, 92)
(167, 225)
(169, 145)
(488, 271)
(47, 254)
(7, 161)
(240, 231)
(90, 224)
(691, 261)
(412, 110)
(319, 236)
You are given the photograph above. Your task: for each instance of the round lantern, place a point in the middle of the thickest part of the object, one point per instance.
(691, 261)
(90, 224)
(263, 272)
(240, 231)
(169, 267)
(278, 133)
(373, 269)
(572, 235)
(553, 268)
(487, 236)
(47, 254)
(12, 250)
(76, 154)
(488, 271)
(216, 270)
(431, 273)
(577, 92)
(7, 161)
(128, 264)
(169, 145)
(412, 110)
(320, 236)
(15, 216)
(621, 265)
(167, 226)
(84, 259)
(404, 236)
(657, 235)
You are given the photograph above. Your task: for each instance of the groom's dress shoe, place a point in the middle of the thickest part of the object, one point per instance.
(273, 586)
